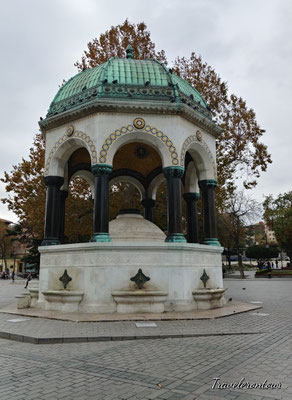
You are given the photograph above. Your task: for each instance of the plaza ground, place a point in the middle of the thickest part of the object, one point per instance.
(254, 346)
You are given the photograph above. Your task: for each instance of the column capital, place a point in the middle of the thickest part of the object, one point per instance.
(54, 181)
(101, 169)
(208, 184)
(191, 196)
(174, 172)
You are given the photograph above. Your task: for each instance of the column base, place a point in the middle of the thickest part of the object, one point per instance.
(212, 242)
(50, 241)
(176, 238)
(101, 237)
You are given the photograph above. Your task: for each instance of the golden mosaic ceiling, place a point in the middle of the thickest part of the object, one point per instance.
(137, 156)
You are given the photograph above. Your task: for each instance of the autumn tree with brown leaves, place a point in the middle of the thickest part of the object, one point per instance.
(114, 42)
(5, 243)
(26, 189)
(27, 196)
(240, 153)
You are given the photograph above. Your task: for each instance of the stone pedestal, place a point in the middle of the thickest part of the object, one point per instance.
(99, 269)
(23, 301)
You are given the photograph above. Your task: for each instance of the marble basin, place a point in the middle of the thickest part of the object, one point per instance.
(206, 298)
(63, 300)
(34, 294)
(139, 301)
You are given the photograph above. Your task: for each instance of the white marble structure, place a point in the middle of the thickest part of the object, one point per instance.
(131, 121)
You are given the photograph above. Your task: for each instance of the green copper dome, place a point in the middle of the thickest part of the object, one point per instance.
(129, 80)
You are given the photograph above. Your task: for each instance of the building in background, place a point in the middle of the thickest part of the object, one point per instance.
(260, 235)
(270, 236)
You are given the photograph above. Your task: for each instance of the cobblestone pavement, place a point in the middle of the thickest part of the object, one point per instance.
(258, 349)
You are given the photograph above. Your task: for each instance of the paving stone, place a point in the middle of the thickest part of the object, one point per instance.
(184, 367)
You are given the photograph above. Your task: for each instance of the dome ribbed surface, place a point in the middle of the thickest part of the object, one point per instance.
(127, 79)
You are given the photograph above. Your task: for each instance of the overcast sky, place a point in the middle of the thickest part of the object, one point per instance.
(247, 42)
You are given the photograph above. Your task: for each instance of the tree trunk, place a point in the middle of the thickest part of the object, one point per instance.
(3, 249)
(240, 266)
(228, 259)
(289, 254)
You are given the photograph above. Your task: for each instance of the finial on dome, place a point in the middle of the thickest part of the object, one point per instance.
(129, 51)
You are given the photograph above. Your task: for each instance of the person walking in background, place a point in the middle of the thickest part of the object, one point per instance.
(12, 275)
(28, 279)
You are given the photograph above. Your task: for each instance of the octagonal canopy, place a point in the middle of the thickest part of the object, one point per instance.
(128, 79)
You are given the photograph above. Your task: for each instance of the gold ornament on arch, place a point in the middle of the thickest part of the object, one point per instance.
(147, 129)
(71, 133)
(139, 123)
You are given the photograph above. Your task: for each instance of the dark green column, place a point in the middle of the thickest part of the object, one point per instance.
(192, 216)
(101, 174)
(63, 197)
(52, 222)
(207, 187)
(148, 205)
(174, 209)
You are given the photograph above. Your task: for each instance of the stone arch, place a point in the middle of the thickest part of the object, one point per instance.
(201, 155)
(64, 147)
(191, 179)
(129, 179)
(87, 176)
(154, 185)
(148, 134)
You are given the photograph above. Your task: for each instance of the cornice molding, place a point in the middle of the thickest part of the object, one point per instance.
(126, 106)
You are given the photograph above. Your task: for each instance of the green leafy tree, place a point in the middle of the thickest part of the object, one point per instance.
(262, 253)
(20, 235)
(278, 214)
